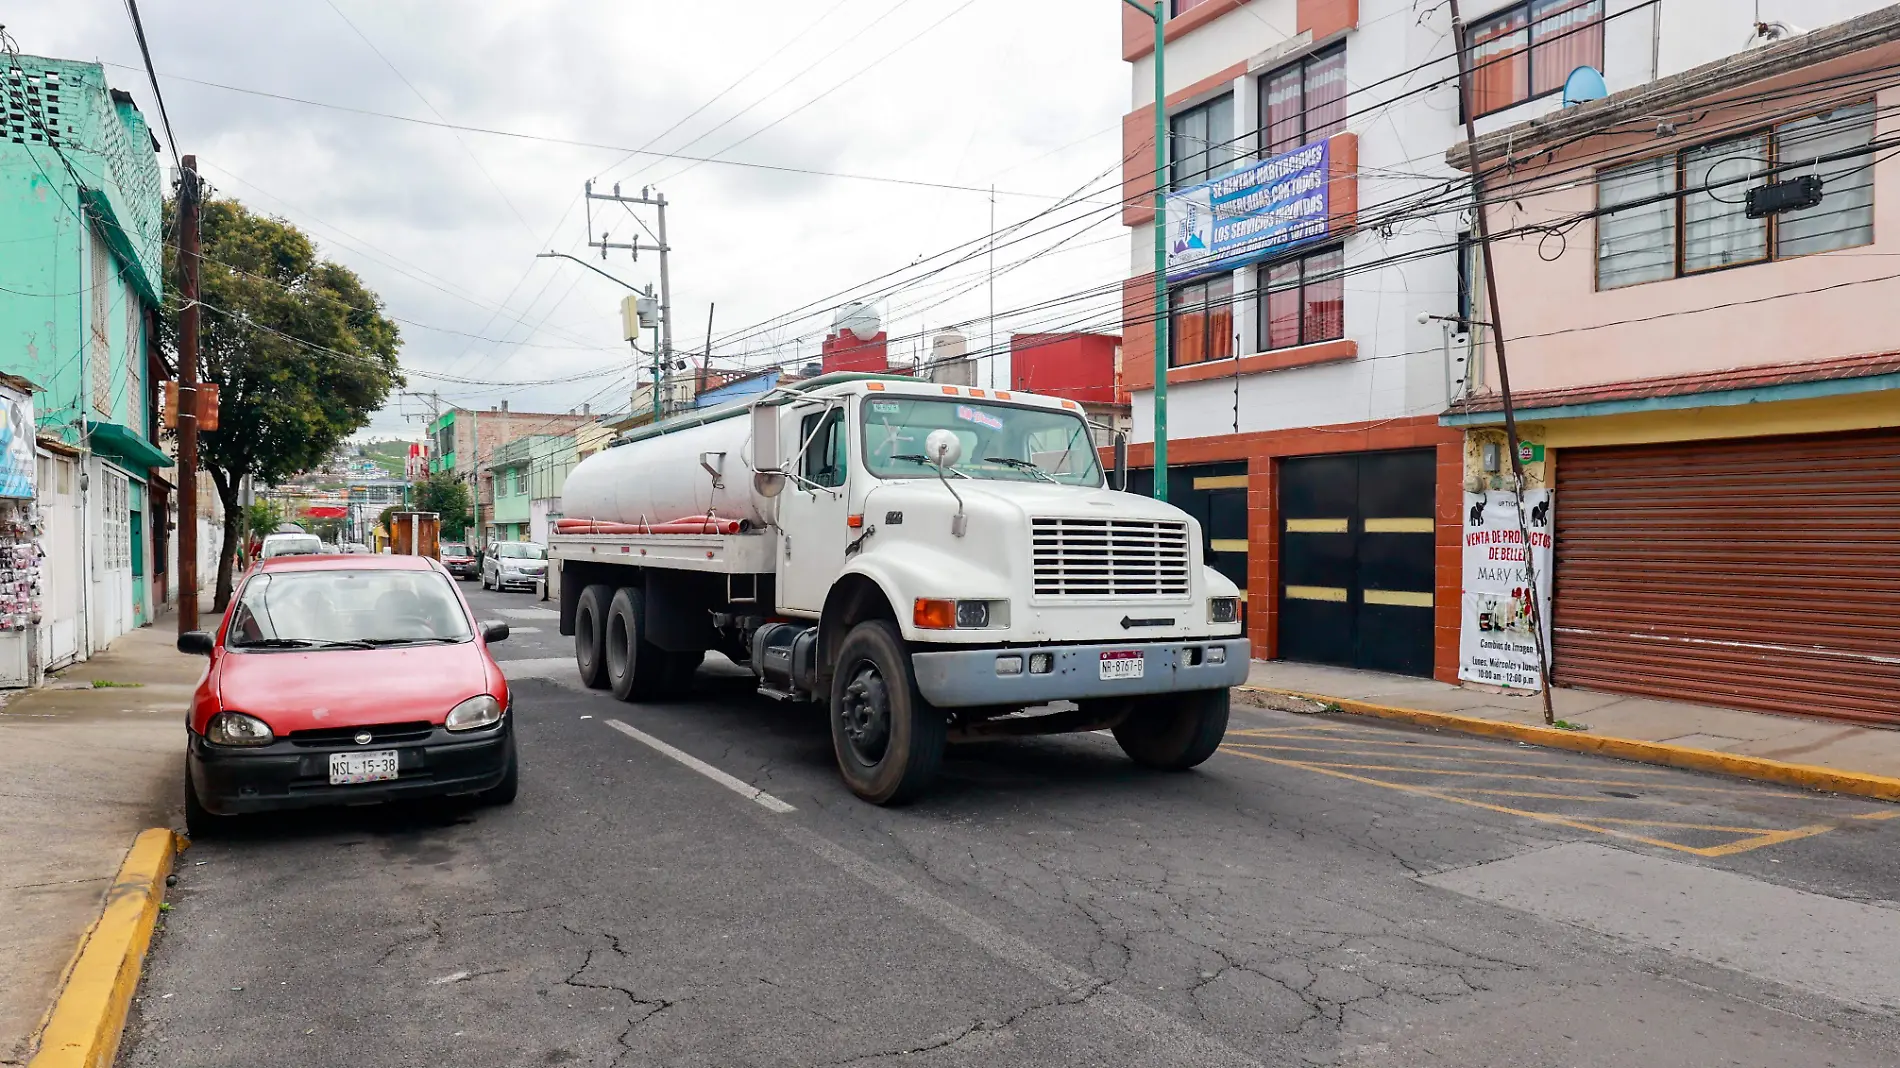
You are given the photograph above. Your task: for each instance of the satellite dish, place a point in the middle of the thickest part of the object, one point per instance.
(1584, 84)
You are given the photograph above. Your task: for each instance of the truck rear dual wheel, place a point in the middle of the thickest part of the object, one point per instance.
(637, 670)
(590, 634)
(889, 741)
(1174, 732)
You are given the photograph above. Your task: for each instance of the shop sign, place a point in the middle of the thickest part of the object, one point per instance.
(1495, 642)
(1250, 214)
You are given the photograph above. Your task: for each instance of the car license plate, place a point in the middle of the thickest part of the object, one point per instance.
(347, 768)
(1123, 664)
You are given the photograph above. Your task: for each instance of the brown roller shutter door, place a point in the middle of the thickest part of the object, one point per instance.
(1760, 573)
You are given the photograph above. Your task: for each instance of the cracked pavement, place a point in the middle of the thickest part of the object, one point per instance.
(1049, 904)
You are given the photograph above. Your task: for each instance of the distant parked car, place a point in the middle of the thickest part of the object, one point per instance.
(521, 564)
(460, 560)
(354, 547)
(336, 681)
(292, 545)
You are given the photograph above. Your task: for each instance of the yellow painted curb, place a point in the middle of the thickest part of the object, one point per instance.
(1806, 776)
(83, 1028)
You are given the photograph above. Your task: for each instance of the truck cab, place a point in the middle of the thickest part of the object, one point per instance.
(929, 561)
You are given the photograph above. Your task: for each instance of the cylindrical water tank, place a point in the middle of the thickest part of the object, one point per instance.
(665, 477)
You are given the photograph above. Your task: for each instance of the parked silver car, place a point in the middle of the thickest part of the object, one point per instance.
(517, 564)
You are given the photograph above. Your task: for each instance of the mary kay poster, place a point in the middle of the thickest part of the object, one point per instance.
(1496, 643)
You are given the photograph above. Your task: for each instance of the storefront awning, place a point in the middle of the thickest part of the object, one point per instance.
(121, 443)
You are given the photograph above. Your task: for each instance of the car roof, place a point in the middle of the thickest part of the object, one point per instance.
(290, 534)
(348, 562)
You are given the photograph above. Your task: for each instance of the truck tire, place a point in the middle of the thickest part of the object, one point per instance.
(590, 634)
(636, 668)
(1174, 732)
(889, 741)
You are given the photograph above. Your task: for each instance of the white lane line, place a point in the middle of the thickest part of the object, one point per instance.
(528, 613)
(743, 789)
(524, 630)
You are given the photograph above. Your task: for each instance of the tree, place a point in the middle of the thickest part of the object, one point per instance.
(263, 518)
(297, 345)
(447, 496)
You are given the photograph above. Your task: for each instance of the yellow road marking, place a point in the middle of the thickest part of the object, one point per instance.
(1361, 739)
(1687, 826)
(1601, 798)
(1542, 778)
(1875, 816)
(1420, 756)
(1771, 838)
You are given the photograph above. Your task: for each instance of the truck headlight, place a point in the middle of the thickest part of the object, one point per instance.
(1223, 609)
(973, 613)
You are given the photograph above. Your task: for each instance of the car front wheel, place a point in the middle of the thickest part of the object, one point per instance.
(200, 822)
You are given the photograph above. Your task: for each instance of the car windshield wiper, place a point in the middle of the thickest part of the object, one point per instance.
(376, 642)
(918, 458)
(297, 643)
(1021, 465)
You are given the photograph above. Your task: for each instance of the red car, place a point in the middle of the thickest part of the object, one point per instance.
(340, 680)
(460, 560)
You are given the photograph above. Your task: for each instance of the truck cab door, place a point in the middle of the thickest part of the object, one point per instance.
(813, 510)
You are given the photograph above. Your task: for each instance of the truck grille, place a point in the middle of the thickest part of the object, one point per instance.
(1109, 557)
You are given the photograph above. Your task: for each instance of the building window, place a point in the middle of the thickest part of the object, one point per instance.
(1201, 321)
(1528, 50)
(1687, 212)
(1201, 142)
(1303, 300)
(1303, 102)
(1181, 7)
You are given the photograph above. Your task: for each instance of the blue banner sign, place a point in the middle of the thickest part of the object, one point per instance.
(1249, 214)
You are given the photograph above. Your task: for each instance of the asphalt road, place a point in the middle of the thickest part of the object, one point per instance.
(1322, 892)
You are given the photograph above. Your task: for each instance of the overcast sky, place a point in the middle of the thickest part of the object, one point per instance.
(444, 225)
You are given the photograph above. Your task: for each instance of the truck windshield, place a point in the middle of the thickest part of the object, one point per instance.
(1000, 441)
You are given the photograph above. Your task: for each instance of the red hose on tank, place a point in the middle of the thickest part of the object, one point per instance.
(692, 524)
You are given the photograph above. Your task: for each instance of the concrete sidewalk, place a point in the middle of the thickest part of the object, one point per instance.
(86, 770)
(1819, 742)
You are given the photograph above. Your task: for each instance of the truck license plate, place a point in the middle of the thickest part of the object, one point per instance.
(1123, 664)
(348, 768)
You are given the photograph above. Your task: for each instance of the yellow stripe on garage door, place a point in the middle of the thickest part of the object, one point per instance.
(1316, 593)
(1401, 525)
(1405, 598)
(1228, 545)
(1316, 526)
(1209, 482)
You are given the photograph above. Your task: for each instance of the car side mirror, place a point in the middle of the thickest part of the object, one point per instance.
(196, 643)
(494, 630)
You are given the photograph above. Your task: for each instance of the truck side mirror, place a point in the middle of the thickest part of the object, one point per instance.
(767, 454)
(1120, 478)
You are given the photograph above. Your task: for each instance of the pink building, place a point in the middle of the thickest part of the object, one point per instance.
(1699, 282)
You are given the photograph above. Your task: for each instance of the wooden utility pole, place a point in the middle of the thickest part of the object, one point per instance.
(188, 205)
(1481, 229)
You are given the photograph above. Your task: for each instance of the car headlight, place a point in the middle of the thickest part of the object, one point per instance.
(1223, 609)
(474, 714)
(236, 728)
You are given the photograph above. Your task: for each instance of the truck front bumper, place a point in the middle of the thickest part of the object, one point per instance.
(961, 678)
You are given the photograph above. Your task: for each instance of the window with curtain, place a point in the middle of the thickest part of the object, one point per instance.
(1688, 212)
(1303, 102)
(1201, 321)
(1528, 50)
(1303, 300)
(1182, 7)
(1201, 142)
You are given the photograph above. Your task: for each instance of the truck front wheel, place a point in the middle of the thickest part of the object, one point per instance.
(888, 739)
(1174, 732)
(590, 634)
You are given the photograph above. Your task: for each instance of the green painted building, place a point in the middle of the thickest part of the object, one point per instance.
(81, 271)
(524, 471)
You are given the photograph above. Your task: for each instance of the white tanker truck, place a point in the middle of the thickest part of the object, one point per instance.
(933, 562)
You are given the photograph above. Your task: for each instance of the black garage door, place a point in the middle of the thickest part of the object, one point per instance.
(1215, 494)
(1356, 560)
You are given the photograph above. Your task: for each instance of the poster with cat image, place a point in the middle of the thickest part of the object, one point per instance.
(1495, 642)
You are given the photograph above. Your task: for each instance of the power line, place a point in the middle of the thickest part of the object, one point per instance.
(145, 52)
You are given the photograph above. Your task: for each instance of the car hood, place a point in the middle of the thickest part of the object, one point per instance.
(295, 691)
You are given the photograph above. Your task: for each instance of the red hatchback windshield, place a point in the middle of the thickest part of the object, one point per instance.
(303, 609)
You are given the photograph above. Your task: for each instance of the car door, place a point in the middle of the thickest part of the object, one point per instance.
(813, 509)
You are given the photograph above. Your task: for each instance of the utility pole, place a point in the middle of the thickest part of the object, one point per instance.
(1159, 13)
(1482, 231)
(993, 289)
(188, 265)
(657, 201)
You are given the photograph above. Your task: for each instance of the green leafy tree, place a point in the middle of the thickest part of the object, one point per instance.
(297, 345)
(262, 518)
(446, 496)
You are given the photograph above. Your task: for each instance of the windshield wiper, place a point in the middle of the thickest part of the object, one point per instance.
(1021, 465)
(375, 642)
(297, 643)
(917, 458)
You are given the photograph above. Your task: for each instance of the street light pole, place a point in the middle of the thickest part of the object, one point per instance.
(1159, 13)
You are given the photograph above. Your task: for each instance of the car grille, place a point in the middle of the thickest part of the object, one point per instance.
(1109, 557)
(380, 733)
